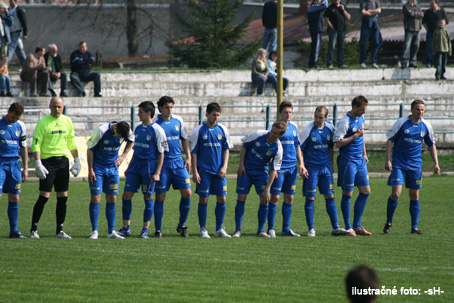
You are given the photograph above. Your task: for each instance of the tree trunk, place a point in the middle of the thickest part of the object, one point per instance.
(131, 29)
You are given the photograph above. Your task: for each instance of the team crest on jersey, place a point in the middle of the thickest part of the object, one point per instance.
(329, 137)
(220, 136)
(423, 133)
(257, 143)
(407, 131)
(354, 129)
(148, 137)
(268, 153)
(121, 140)
(314, 139)
(177, 127)
(106, 142)
(205, 137)
(294, 133)
(2, 132)
(17, 133)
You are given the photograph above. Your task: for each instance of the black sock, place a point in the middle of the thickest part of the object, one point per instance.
(61, 212)
(38, 211)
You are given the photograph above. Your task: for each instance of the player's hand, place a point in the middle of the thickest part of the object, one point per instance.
(91, 176)
(240, 171)
(388, 166)
(155, 178)
(120, 160)
(436, 169)
(222, 172)
(367, 159)
(40, 171)
(303, 172)
(187, 164)
(265, 196)
(196, 178)
(75, 169)
(359, 132)
(24, 175)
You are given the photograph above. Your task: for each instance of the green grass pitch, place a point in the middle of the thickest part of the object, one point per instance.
(248, 269)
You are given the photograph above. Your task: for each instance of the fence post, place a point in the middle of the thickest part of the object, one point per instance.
(268, 116)
(200, 114)
(401, 110)
(334, 114)
(65, 110)
(133, 118)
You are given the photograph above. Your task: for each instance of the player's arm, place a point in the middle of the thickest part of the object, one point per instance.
(223, 170)
(365, 153)
(24, 156)
(389, 147)
(241, 170)
(91, 173)
(331, 155)
(348, 140)
(434, 155)
(265, 195)
(195, 172)
(302, 169)
(156, 176)
(125, 153)
(187, 151)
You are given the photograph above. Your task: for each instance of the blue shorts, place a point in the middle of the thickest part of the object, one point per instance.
(320, 176)
(411, 178)
(211, 185)
(175, 175)
(285, 182)
(139, 174)
(352, 173)
(107, 181)
(257, 178)
(10, 177)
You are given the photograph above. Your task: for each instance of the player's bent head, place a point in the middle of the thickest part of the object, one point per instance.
(284, 105)
(148, 106)
(322, 110)
(16, 108)
(122, 128)
(361, 277)
(213, 107)
(359, 101)
(281, 126)
(416, 102)
(165, 100)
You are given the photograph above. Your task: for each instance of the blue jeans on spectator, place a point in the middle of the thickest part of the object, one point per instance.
(411, 46)
(16, 46)
(270, 38)
(63, 82)
(260, 81)
(316, 45)
(441, 59)
(339, 37)
(5, 84)
(369, 33)
(76, 78)
(429, 55)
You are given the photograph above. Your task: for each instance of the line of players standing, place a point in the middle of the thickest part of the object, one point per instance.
(268, 160)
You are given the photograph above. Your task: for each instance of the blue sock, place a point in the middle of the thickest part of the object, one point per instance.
(262, 216)
(13, 215)
(126, 209)
(219, 211)
(331, 209)
(148, 211)
(360, 205)
(271, 215)
(345, 206)
(287, 209)
(94, 215)
(414, 212)
(392, 205)
(185, 206)
(239, 213)
(111, 213)
(202, 211)
(144, 230)
(309, 210)
(158, 214)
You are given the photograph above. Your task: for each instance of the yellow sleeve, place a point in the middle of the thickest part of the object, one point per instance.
(38, 136)
(71, 135)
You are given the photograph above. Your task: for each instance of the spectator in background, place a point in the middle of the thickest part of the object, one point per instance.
(370, 9)
(315, 20)
(412, 25)
(35, 71)
(5, 80)
(336, 16)
(269, 21)
(442, 47)
(55, 66)
(272, 66)
(19, 26)
(6, 22)
(430, 22)
(359, 279)
(260, 73)
(81, 62)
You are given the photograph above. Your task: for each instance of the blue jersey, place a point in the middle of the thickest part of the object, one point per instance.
(208, 144)
(12, 136)
(290, 142)
(408, 137)
(149, 142)
(259, 152)
(316, 144)
(175, 130)
(105, 145)
(347, 127)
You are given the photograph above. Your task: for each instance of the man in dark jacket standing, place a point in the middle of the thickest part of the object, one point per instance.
(81, 61)
(5, 22)
(315, 20)
(412, 25)
(430, 23)
(55, 68)
(19, 27)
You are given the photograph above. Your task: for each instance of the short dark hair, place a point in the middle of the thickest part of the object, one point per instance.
(39, 49)
(272, 53)
(285, 104)
(359, 100)
(361, 277)
(281, 125)
(213, 107)
(416, 102)
(82, 42)
(123, 129)
(165, 100)
(148, 106)
(322, 109)
(16, 108)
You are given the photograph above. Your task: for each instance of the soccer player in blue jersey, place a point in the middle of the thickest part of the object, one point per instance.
(144, 170)
(103, 162)
(407, 136)
(210, 145)
(12, 147)
(352, 164)
(317, 146)
(287, 175)
(260, 150)
(175, 170)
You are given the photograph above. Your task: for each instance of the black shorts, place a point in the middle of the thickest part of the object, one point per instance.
(58, 176)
